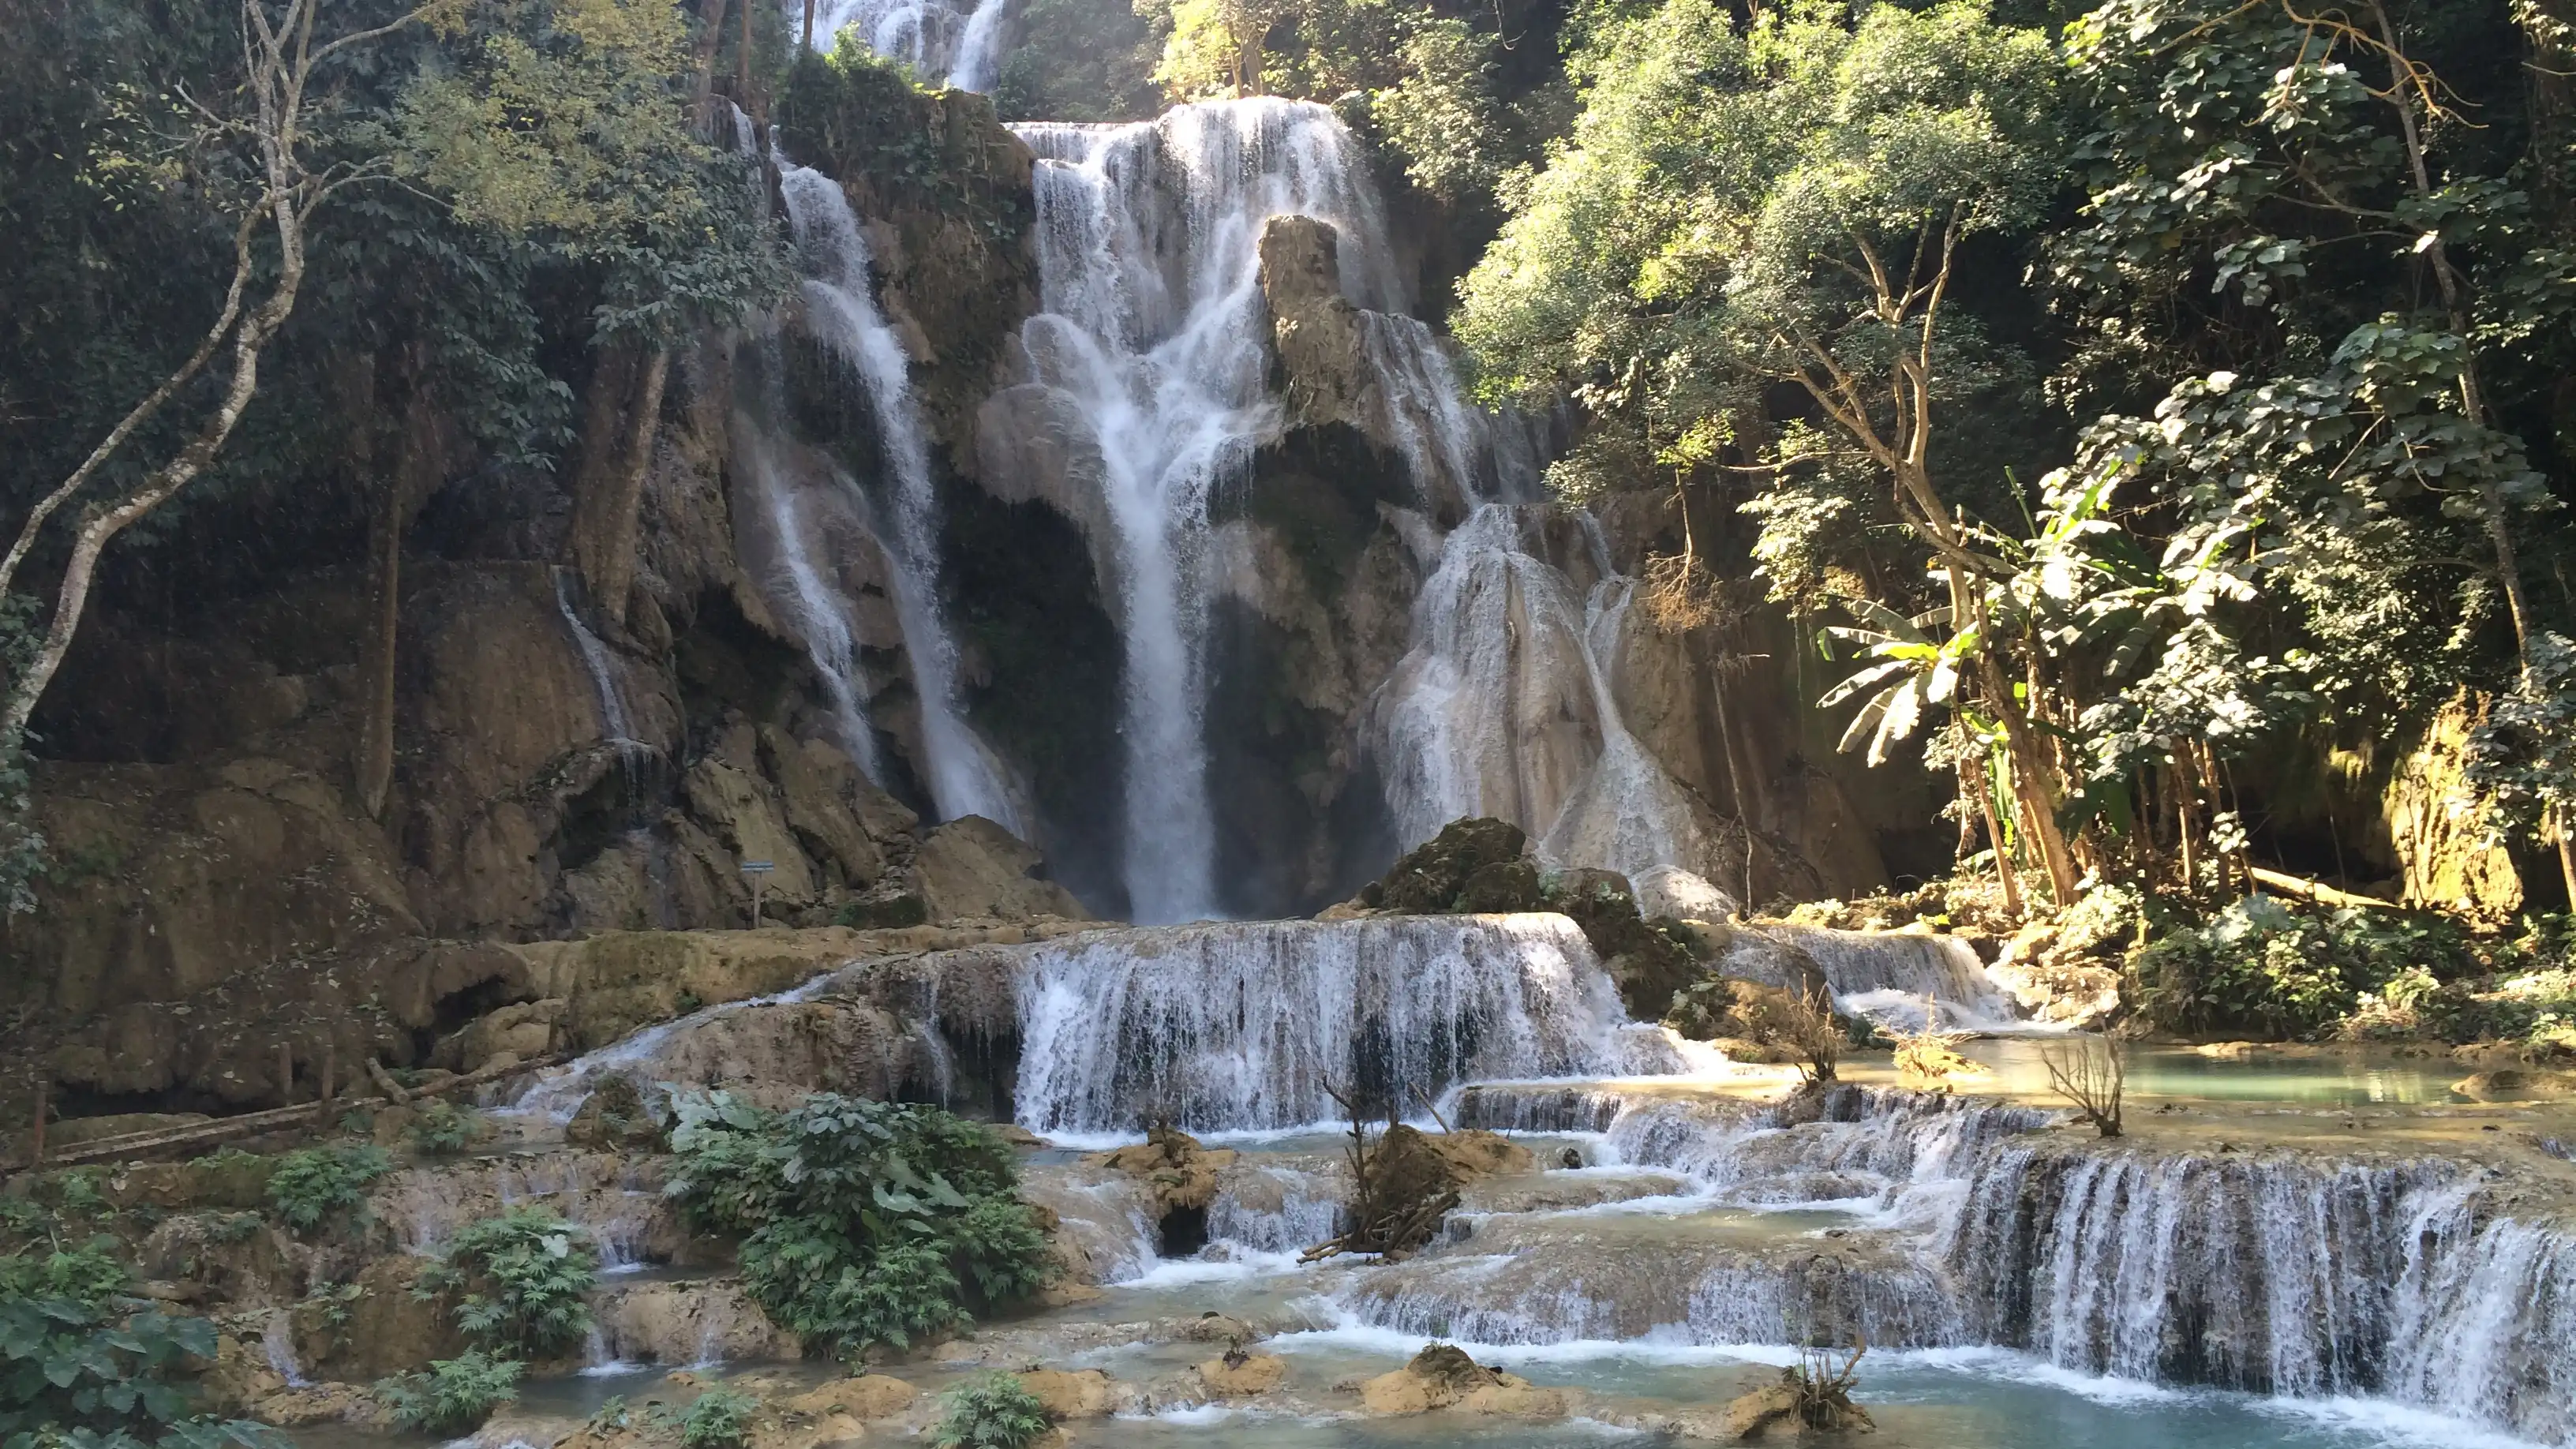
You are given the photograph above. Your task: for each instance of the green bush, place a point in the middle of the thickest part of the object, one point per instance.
(991, 1411)
(455, 1396)
(312, 1184)
(442, 1129)
(2260, 966)
(720, 1418)
(865, 1222)
(83, 1365)
(522, 1281)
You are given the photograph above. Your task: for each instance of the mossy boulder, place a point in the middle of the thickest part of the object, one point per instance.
(1650, 960)
(1429, 879)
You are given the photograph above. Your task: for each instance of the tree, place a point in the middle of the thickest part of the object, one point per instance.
(1788, 206)
(2357, 292)
(272, 130)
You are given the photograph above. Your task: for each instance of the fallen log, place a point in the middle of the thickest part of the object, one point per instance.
(251, 1124)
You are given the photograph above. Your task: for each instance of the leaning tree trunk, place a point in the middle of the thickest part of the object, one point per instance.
(610, 488)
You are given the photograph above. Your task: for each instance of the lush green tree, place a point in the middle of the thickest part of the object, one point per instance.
(1787, 204)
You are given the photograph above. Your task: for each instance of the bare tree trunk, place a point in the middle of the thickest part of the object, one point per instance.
(809, 24)
(605, 515)
(710, 38)
(412, 471)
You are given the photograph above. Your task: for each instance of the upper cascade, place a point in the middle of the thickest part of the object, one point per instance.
(841, 312)
(1150, 359)
(1255, 1025)
(958, 48)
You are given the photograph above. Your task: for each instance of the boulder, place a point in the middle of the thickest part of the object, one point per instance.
(1080, 1394)
(1241, 1375)
(1442, 1376)
(1747, 1415)
(1668, 890)
(819, 785)
(383, 1328)
(973, 869)
(1180, 1172)
(320, 1404)
(1427, 879)
(869, 1396)
(614, 1118)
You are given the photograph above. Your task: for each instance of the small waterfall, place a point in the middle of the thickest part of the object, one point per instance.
(962, 774)
(555, 1094)
(1241, 1026)
(796, 577)
(1503, 707)
(616, 722)
(1153, 342)
(1277, 1209)
(1885, 975)
(277, 1341)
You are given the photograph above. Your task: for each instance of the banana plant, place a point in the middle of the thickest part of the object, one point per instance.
(1909, 671)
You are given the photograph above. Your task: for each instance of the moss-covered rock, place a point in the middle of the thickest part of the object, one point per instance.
(1429, 879)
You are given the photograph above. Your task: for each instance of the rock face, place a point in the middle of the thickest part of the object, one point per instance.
(973, 869)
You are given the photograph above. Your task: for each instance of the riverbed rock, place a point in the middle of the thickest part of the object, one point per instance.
(1180, 1172)
(382, 1328)
(331, 1403)
(1442, 1376)
(1078, 1394)
(689, 1322)
(2514, 1084)
(614, 1118)
(868, 1396)
(1242, 1375)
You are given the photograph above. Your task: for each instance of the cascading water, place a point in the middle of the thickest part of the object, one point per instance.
(958, 48)
(1244, 1026)
(963, 776)
(1152, 337)
(1503, 707)
(616, 722)
(796, 576)
(1898, 977)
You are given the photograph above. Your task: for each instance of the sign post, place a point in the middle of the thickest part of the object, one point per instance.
(759, 871)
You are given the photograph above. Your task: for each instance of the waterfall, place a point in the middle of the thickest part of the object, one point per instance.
(1886, 976)
(277, 1342)
(1242, 1026)
(795, 577)
(942, 45)
(1153, 338)
(962, 775)
(616, 724)
(555, 1094)
(1503, 707)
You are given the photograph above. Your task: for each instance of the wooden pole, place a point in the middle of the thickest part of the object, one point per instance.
(44, 1099)
(330, 1066)
(285, 1073)
(809, 24)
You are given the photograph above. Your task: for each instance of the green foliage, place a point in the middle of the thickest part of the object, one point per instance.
(720, 1418)
(2261, 966)
(991, 1411)
(315, 1184)
(2522, 757)
(443, 1129)
(521, 1281)
(866, 1222)
(81, 1364)
(1079, 60)
(454, 1396)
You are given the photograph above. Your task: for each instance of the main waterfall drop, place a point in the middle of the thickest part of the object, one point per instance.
(1151, 357)
(942, 43)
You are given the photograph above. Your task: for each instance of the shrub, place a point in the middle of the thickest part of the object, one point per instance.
(310, 1185)
(2262, 966)
(720, 1418)
(456, 1395)
(442, 1129)
(83, 1364)
(522, 1281)
(865, 1222)
(991, 1411)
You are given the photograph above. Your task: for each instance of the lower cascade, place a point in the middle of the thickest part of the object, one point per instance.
(1248, 1026)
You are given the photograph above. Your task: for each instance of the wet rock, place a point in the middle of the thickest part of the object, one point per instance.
(2513, 1084)
(689, 1323)
(1428, 879)
(1669, 890)
(1081, 1394)
(382, 1328)
(1650, 960)
(869, 1396)
(1474, 1155)
(1748, 1020)
(1748, 1415)
(1180, 1172)
(614, 1118)
(973, 869)
(1241, 1375)
(321, 1404)
(1442, 1376)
